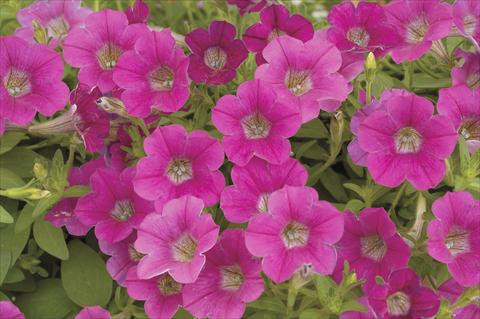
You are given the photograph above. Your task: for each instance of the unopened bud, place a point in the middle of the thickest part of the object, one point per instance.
(36, 193)
(39, 171)
(336, 130)
(39, 32)
(112, 105)
(370, 63)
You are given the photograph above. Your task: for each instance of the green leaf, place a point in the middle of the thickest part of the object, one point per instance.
(313, 129)
(5, 217)
(9, 140)
(25, 219)
(325, 287)
(313, 313)
(9, 179)
(353, 305)
(14, 275)
(20, 161)
(50, 239)
(271, 304)
(84, 276)
(76, 191)
(5, 261)
(45, 203)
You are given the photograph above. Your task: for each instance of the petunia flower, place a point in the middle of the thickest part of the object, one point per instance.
(231, 278)
(454, 236)
(162, 294)
(469, 72)
(418, 24)
(176, 240)
(405, 141)
(297, 230)
(451, 290)
(460, 105)
(304, 74)
(466, 16)
(253, 184)
(402, 296)
(216, 54)
(247, 6)
(180, 164)
(276, 21)
(96, 48)
(31, 81)
(93, 312)
(255, 123)
(9, 310)
(138, 12)
(153, 74)
(112, 206)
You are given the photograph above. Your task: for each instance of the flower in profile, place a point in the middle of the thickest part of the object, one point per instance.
(93, 312)
(176, 240)
(216, 54)
(454, 236)
(469, 72)
(360, 28)
(8, 310)
(405, 141)
(112, 206)
(96, 48)
(418, 24)
(466, 16)
(247, 6)
(297, 230)
(138, 12)
(253, 184)
(402, 297)
(304, 74)
(153, 74)
(162, 294)
(180, 164)
(255, 123)
(31, 81)
(451, 290)
(460, 105)
(231, 278)
(276, 21)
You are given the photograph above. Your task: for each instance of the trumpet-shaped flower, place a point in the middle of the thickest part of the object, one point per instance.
(466, 16)
(469, 71)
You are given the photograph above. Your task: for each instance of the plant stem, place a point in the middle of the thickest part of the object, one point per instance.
(292, 296)
(397, 197)
(408, 74)
(71, 156)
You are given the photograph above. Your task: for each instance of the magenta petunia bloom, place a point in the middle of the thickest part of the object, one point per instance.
(56, 16)
(305, 74)
(466, 16)
(276, 21)
(32, 80)
(403, 297)
(154, 75)
(253, 185)
(94, 312)
(404, 141)
(297, 230)
(176, 240)
(231, 279)
(371, 245)
(247, 6)
(112, 207)
(418, 24)
(451, 290)
(361, 28)
(162, 294)
(460, 105)
(180, 164)
(216, 54)
(96, 48)
(138, 12)
(454, 236)
(9, 310)
(357, 314)
(469, 72)
(255, 123)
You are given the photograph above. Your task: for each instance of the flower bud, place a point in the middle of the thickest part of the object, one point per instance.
(336, 131)
(39, 171)
(370, 63)
(112, 105)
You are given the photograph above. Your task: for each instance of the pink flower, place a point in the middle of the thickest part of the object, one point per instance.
(466, 16)
(454, 236)
(255, 123)
(305, 74)
(56, 16)
(180, 164)
(216, 54)
(469, 72)
(112, 206)
(403, 297)
(247, 6)
(404, 141)
(276, 21)
(360, 28)
(253, 185)
(8, 310)
(176, 240)
(32, 80)
(95, 49)
(231, 278)
(153, 74)
(138, 12)
(460, 105)
(451, 291)
(297, 230)
(94, 312)
(162, 294)
(418, 24)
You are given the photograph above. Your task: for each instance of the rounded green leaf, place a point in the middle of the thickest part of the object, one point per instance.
(50, 239)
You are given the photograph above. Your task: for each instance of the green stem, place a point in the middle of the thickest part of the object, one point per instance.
(317, 170)
(397, 197)
(291, 298)
(368, 90)
(71, 156)
(408, 74)
(425, 69)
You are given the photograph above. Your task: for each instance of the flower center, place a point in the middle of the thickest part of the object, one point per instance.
(275, 34)
(179, 171)
(58, 27)
(457, 241)
(470, 129)
(416, 30)
(294, 234)
(398, 304)
(255, 126)
(407, 140)
(108, 55)
(122, 210)
(298, 82)
(469, 23)
(17, 83)
(359, 36)
(232, 277)
(262, 205)
(473, 80)
(373, 247)
(184, 248)
(161, 79)
(134, 254)
(215, 58)
(168, 286)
